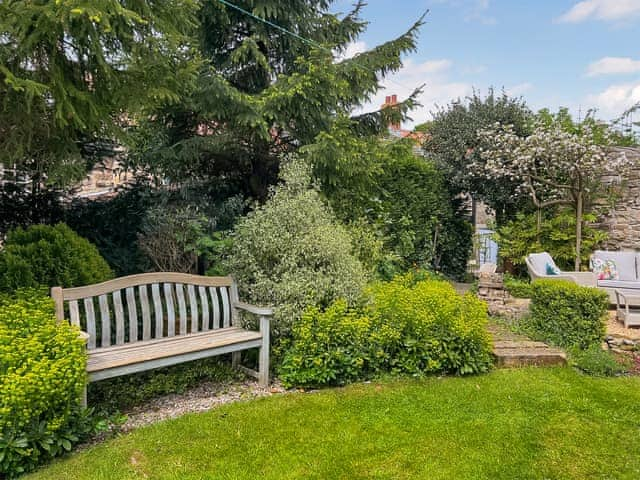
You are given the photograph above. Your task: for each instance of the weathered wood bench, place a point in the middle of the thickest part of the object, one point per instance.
(155, 320)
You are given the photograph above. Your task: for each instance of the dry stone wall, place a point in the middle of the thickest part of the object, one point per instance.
(622, 219)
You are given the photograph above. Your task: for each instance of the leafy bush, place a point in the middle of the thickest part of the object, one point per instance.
(50, 256)
(42, 375)
(291, 252)
(517, 287)
(567, 314)
(115, 394)
(598, 362)
(556, 235)
(409, 327)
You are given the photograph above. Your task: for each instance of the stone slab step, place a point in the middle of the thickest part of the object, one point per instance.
(499, 344)
(529, 356)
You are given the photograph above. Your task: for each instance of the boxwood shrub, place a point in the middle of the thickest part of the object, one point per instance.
(567, 314)
(408, 327)
(42, 373)
(50, 256)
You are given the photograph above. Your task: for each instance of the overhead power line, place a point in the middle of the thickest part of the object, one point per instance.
(307, 41)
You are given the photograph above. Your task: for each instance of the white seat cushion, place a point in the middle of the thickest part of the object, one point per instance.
(625, 263)
(626, 284)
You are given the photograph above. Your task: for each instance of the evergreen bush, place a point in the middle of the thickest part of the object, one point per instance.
(44, 255)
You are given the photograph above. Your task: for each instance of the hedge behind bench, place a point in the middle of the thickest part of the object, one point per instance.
(567, 314)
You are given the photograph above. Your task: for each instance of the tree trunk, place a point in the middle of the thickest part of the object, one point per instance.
(578, 231)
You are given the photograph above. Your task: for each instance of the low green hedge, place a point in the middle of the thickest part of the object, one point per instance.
(50, 256)
(42, 374)
(567, 314)
(408, 327)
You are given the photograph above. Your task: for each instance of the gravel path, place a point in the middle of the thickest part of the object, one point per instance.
(202, 398)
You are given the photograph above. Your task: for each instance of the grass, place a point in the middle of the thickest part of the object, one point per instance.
(524, 424)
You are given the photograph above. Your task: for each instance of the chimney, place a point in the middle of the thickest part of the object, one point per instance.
(390, 101)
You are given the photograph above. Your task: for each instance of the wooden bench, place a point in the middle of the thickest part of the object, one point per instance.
(153, 320)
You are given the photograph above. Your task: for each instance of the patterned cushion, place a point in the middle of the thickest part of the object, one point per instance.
(604, 269)
(551, 269)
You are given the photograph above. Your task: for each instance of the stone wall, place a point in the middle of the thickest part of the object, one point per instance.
(623, 219)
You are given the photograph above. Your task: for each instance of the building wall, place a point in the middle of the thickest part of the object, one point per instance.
(623, 219)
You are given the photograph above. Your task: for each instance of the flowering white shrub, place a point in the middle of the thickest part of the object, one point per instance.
(552, 166)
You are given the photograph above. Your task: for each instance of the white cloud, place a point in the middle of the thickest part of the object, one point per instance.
(475, 11)
(439, 88)
(352, 49)
(615, 99)
(605, 10)
(613, 65)
(519, 89)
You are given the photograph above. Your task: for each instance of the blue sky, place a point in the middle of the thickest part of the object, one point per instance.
(578, 54)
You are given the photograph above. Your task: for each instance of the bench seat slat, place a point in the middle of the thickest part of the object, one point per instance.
(117, 306)
(193, 308)
(91, 322)
(105, 321)
(74, 313)
(132, 310)
(182, 308)
(226, 311)
(171, 313)
(157, 308)
(103, 359)
(146, 317)
(205, 308)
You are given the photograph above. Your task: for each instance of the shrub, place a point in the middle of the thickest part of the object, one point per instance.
(517, 287)
(599, 363)
(409, 327)
(567, 314)
(291, 252)
(556, 235)
(50, 256)
(42, 374)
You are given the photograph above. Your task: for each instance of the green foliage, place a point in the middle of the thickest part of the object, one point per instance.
(454, 145)
(262, 93)
(113, 224)
(556, 234)
(598, 362)
(50, 256)
(69, 69)
(116, 394)
(291, 252)
(42, 374)
(567, 314)
(411, 326)
(403, 197)
(517, 287)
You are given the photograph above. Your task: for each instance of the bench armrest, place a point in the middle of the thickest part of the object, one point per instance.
(262, 311)
(585, 279)
(84, 336)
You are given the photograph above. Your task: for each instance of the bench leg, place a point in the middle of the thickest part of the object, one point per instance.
(83, 400)
(263, 360)
(235, 359)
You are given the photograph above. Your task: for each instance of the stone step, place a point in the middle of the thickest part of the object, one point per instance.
(528, 355)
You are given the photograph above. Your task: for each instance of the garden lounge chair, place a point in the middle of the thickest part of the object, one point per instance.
(541, 265)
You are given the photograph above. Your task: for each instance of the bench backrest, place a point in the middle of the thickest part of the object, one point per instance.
(148, 306)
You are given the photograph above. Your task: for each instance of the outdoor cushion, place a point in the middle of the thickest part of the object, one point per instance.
(551, 269)
(604, 269)
(539, 262)
(625, 263)
(619, 284)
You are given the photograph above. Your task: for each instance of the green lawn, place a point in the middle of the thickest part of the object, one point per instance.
(511, 424)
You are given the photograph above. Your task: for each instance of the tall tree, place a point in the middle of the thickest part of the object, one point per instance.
(453, 143)
(74, 71)
(553, 167)
(265, 90)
